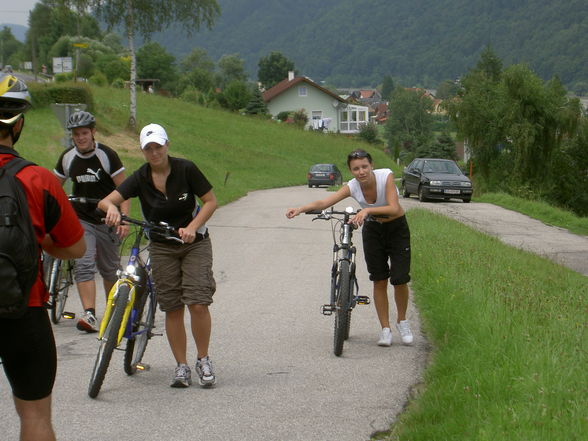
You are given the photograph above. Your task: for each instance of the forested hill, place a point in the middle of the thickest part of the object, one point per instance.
(357, 42)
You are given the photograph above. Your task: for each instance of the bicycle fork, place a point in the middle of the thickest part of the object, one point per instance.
(112, 295)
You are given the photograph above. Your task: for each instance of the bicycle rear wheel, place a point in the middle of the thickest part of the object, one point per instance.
(109, 341)
(144, 318)
(342, 302)
(60, 289)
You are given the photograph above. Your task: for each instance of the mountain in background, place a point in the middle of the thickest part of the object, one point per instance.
(418, 42)
(18, 31)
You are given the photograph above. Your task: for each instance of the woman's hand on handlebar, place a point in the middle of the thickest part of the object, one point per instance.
(188, 234)
(122, 231)
(359, 218)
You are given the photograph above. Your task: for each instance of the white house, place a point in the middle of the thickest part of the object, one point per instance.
(325, 109)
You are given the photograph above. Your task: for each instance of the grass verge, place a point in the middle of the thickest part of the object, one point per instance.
(510, 336)
(542, 211)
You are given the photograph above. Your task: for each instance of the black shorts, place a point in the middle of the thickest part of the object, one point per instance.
(29, 358)
(386, 248)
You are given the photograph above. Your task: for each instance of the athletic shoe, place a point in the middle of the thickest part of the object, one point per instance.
(182, 376)
(88, 322)
(385, 337)
(405, 332)
(206, 377)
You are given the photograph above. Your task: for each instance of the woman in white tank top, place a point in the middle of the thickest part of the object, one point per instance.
(386, 238)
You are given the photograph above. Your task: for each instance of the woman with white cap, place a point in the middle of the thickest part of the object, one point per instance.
(168, 189)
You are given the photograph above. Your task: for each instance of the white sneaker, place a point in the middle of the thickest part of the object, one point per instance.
(385, 337)
(405, 332)
(206, 377)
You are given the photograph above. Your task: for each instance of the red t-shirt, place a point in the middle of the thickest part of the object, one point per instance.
(51, 213)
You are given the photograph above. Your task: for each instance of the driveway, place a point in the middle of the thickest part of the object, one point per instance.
(272, 349)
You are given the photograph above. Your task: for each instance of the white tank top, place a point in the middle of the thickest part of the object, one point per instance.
(381, 177)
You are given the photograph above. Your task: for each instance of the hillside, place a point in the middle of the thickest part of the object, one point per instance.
(357, 42)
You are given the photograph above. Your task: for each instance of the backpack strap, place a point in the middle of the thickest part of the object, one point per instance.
(15, 165)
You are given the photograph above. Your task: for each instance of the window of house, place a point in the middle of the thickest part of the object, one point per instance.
(302, 91)
(317, 114)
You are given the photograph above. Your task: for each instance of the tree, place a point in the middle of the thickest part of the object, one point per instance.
(387, 87)
(273, 69)
(410, 121)
(235, 96)
(10, 45)
(197, 59)
(256, 105)
(153, 61)
(147, 16)
(232, 68)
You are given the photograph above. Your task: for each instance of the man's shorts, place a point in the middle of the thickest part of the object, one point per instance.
(386, 248)
(182, 273)
(102, 253)
(29, 358)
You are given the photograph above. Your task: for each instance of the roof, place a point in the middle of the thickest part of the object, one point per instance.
(286, 84)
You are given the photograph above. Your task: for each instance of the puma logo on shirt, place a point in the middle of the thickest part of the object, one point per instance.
(93, 176)
(183, 197)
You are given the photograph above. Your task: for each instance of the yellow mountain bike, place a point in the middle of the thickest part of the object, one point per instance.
(130, 308)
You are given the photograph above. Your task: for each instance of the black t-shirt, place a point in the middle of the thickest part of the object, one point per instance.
(179, 206)
(91, 175)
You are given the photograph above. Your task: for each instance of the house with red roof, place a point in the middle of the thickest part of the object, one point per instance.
(326, 110)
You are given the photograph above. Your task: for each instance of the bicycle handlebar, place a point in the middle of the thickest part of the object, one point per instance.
(162, 228)
(83, 200)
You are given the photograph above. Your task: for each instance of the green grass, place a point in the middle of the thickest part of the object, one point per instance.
(509, 336)
(542, 211)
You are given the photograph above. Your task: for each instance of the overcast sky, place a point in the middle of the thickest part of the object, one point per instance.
(16, 11)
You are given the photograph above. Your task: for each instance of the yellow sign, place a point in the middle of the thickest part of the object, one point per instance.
(80, 44)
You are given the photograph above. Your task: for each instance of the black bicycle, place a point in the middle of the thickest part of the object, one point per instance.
(59, 276)
(58, 279)
(344, 287)
(130, 308)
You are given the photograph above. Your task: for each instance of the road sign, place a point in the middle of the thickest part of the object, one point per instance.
(62, 64)
(80, 44)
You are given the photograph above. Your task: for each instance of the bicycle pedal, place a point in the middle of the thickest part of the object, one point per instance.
(156, 334)
(363, 300)
(69, 315)
(327, 309)
(142, 367)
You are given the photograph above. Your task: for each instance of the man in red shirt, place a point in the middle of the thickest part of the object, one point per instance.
(27, 346)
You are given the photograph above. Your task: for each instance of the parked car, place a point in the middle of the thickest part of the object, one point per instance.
(324, 174)
(431, 178)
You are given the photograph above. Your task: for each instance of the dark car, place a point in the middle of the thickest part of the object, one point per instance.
(324, 174)
(431, 178)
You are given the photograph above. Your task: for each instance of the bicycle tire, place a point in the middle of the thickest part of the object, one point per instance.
(342, 303)
(109, 341)
(143, 323)
(60, 291)
(351, 294)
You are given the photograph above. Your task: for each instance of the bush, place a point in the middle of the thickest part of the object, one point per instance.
(300, 118)
(283, 116)
(192, 95)
(118, 83)
(369, 133)
(43, 95)
(99, 79)
(63, 77)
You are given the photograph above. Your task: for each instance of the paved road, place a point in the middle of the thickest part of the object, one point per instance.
(516, 229)
(278, 378)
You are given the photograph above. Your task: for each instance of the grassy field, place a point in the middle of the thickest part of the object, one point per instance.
(508, 329)
(509, 336)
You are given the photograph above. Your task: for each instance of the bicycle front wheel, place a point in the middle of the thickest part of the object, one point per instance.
(144, 318)
(109, 341)
(60, 289)
(342, 303)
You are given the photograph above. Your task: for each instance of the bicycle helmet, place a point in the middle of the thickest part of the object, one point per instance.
(81, 119)
(14, 99)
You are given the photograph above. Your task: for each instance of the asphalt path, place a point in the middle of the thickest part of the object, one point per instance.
(272, 349)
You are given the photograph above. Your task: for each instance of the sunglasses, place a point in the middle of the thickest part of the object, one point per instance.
(358, 155)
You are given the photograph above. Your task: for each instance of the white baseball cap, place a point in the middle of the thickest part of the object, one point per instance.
(153, 133)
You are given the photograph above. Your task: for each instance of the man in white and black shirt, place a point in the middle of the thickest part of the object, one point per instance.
(95, 171)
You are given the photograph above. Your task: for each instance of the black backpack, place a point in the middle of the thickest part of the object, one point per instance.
(19, 250)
